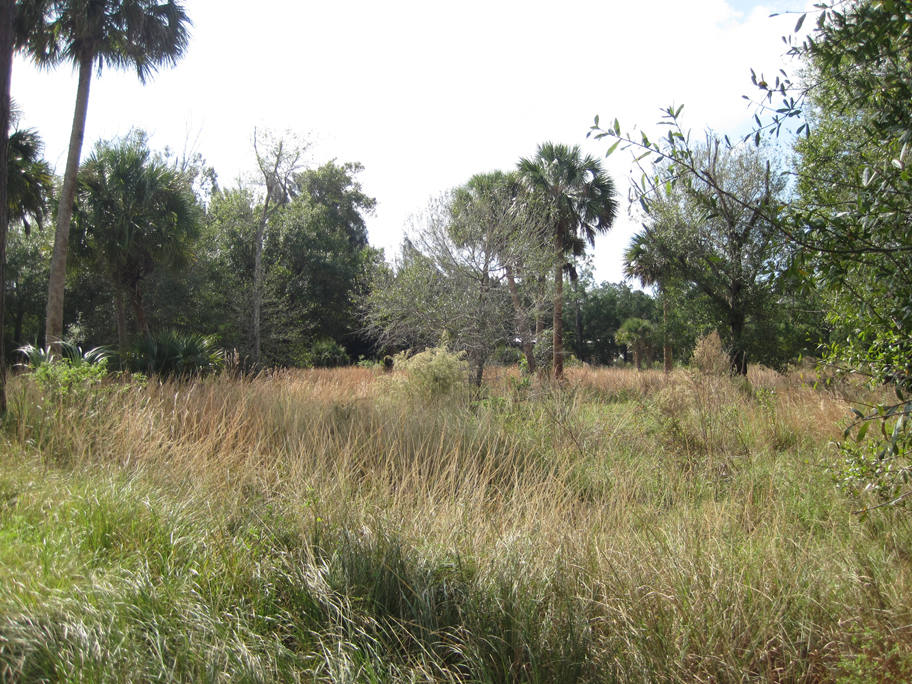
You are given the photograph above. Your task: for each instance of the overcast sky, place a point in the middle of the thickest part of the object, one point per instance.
(426, 94)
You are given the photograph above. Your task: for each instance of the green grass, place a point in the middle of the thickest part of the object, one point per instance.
(324, 526)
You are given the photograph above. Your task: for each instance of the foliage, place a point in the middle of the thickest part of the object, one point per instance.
(714, 237)
(435, 373)
(325, 353)
(173, 354)
(27, 279)
(134, 214)
(595, 312)
(71, 373)
(315, 263)
(710, 357)
(851, 220)
(71, 354)
(578, 199)
(90, 34)
(640, 335)
(457, 277)
(30, 182)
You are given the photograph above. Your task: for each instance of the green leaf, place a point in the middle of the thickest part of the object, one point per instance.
(612, 148)
(800, 22)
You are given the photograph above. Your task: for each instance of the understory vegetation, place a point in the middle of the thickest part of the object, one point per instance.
(339, 526)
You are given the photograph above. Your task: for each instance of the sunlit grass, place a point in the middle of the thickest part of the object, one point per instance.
(320, 526)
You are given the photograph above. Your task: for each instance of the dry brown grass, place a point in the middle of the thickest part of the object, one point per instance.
(688, 517)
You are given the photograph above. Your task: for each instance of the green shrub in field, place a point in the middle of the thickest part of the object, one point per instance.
(173, 354)
(35, 357)
(325, 353)
(74, 372)
(435, 372)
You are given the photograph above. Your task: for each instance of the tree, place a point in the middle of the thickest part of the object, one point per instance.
(449, 283)
(134, 214)
(29, 187)
(648, 265)
(279, 160)
(578, 197)
(727, 250)
(638, 334)
(319, 254)
(7, 16)
(139, 34)
(29, 179)
(492, 204)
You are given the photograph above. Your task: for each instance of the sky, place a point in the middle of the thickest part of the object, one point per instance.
(425, 94)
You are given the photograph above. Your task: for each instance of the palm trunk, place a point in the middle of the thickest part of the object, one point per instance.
(559, 307)
(7, 12)
(54, 321)
(142, 325)
(121, 317)
(524, 332)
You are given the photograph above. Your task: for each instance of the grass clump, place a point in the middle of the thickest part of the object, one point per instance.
(323, 525)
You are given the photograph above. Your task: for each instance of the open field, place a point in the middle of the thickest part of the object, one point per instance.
(337, 526)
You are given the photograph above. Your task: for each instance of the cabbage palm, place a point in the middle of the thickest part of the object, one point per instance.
(134, 214)
(579, 200)
(644, 262)
(29, 179)
(138, 34)
(637, 334)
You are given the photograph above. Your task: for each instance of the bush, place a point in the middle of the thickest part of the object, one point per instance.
(74, 372)
(173, 354)
(325, 353)
(35, 357)
(710, 357)
(435, 372)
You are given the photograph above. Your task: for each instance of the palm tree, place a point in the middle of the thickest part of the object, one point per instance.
(644, 262)
(139, 34)
(7, 17)
(29, 180)
(134, 214)
(637, 334)
(578, 197)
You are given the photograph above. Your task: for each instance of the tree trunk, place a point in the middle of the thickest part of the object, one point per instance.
(667, 359)
(479, 372)
(121, 318)
(524, 332)
(142, 325)
(258, 280)
(580, 347)
(7, 13)
(17, 325)
(738, 354)
(54, 322)
(559, 307)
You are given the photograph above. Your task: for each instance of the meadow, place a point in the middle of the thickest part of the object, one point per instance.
(354, 526)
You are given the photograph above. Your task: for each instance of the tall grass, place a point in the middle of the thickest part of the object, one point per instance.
(323, 526)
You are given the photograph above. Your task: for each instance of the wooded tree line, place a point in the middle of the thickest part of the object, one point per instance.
(281, 270)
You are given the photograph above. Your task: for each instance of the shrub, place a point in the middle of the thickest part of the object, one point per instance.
(35, 357)
(325, 353)
(173, 354)
(710, 357)
(433, 373)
